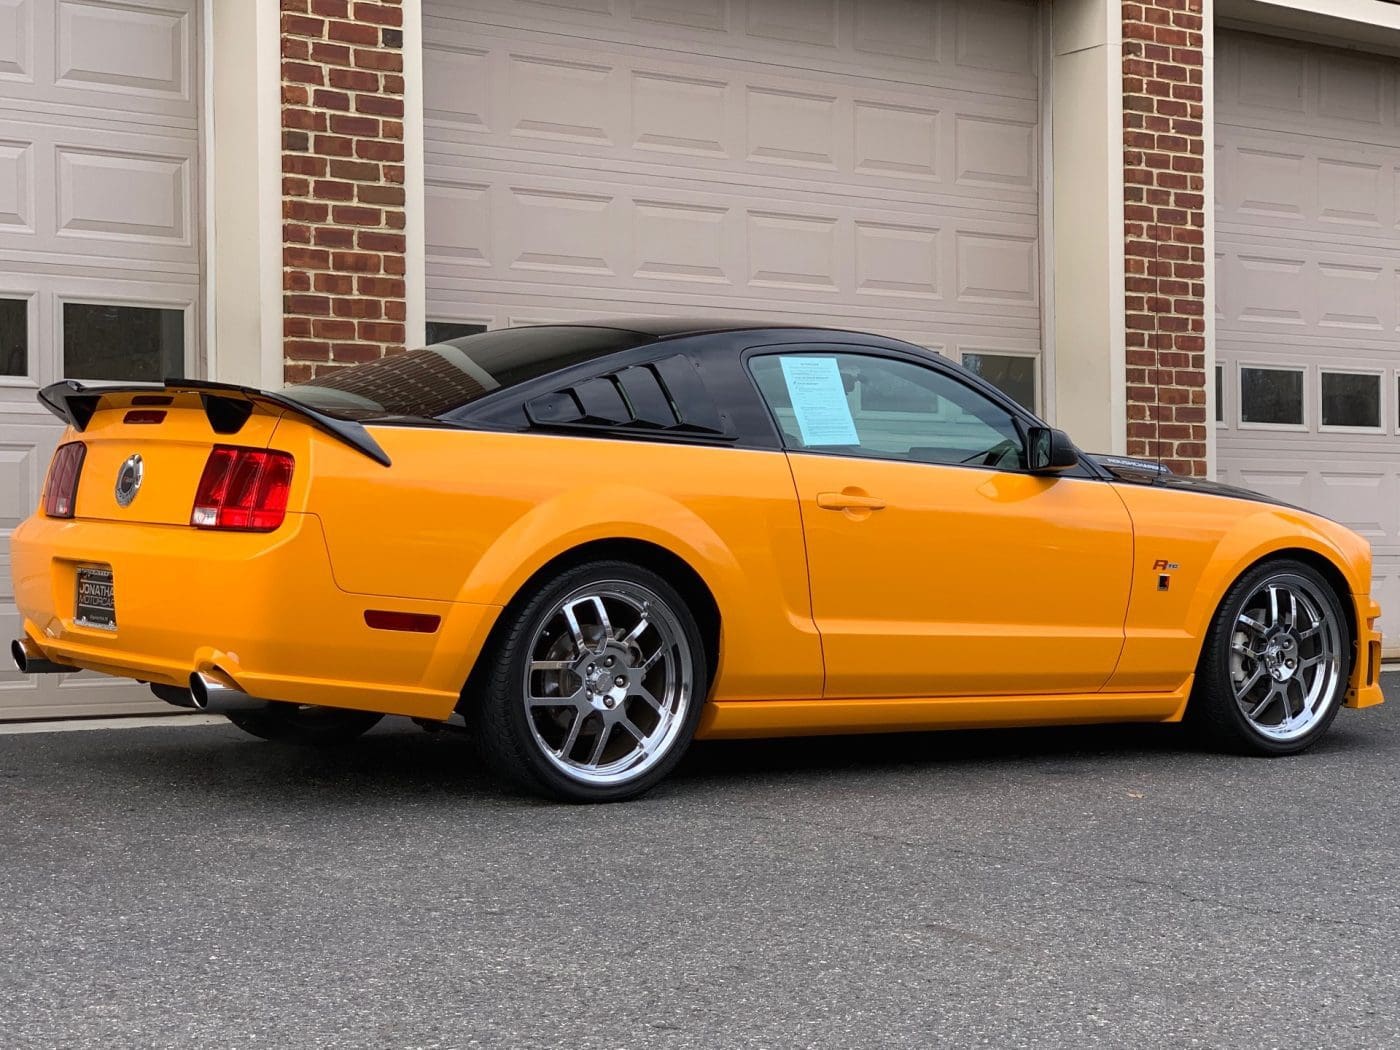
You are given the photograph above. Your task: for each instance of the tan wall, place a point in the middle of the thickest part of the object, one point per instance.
(244, 278)
(1087, 215)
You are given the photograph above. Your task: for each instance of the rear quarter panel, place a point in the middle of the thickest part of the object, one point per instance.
(1210, 540)
(469, 516)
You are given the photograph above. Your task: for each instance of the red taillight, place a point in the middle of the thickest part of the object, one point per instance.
(244, 489)
(62, 485)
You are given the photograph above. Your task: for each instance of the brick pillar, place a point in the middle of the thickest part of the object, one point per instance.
(1164, 219)
(342, 183)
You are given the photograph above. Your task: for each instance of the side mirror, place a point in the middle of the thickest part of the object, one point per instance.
(1049, 451)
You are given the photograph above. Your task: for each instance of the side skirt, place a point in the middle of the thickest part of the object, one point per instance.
(737, 719)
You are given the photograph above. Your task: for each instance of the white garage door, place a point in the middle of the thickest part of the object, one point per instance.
(1308, 243)
(99, 245)
(861, 162)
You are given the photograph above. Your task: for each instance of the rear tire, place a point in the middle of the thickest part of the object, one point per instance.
(593, 686)
(1275, 665)
(305, 725)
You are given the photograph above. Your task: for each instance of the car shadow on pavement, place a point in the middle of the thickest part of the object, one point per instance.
(1057, 747)
(398, 761)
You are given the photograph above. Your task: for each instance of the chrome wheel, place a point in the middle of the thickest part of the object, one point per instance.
(608, 683)
(1286, 657)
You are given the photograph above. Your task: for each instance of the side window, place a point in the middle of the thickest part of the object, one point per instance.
(855, 405)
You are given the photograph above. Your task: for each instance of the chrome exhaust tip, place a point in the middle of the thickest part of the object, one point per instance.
(174, 695)
(211, 695)
(29, 659)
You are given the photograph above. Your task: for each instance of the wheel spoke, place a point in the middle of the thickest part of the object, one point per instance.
(636, 632)
(1263, 706)
(1243, 650)
(627, 724)
(579, 718)
(1242, 690)
(650, 661)
(645, 696)
(552, 665)
(1292, 610)
(580, 646)
(597, 754)
(1273, 605)
(574, 699)
(1304, 706)
(603, 620)
(1247, 621)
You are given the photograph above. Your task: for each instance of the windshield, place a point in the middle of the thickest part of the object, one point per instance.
(446, 376)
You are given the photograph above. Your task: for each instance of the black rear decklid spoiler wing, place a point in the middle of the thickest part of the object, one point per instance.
(227, 405)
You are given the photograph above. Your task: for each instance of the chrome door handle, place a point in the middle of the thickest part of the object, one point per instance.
(848, 501)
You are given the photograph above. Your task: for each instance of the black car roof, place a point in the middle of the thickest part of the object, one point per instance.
(668, 327)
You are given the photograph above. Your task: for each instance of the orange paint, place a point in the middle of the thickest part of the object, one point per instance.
(854, 594)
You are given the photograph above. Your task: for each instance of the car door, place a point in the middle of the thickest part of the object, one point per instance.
(938, 565)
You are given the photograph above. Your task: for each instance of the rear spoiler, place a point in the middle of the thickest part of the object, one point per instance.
(227, 405)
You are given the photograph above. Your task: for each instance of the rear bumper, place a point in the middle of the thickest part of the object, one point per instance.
(1365, 688)
(260, 610)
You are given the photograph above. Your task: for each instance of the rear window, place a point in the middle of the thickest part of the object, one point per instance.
(446, 376)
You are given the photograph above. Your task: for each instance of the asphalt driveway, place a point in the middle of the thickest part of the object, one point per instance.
(192, 887)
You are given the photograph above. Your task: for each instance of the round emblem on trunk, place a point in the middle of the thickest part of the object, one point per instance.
(129, 479)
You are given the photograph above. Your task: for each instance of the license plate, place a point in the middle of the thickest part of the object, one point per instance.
(96, 605)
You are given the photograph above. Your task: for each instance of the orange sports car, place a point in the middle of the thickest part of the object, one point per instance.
(596, 542)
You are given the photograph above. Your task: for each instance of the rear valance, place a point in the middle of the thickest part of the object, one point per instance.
(227, 405)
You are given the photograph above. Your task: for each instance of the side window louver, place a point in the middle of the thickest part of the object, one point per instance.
(666, 396)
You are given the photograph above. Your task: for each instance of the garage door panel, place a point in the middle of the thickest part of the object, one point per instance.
(1266, 82)
(728, 119)
(1265, 286)
(643, 231)
(16, 185)
(74, 54)
(990, 46)
(128, 48)
(1306, 186)
(93, 192)
(16, 40)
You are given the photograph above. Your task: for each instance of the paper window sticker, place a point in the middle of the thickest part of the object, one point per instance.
(819, 401)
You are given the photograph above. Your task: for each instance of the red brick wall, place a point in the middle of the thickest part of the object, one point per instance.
(342, 183)
(1164, 218)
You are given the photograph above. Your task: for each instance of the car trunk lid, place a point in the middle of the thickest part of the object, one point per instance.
(144, 459)
(147, 444)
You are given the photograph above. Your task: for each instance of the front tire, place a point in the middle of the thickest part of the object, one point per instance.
(1276, 663)
(592, 689)
(301, 724)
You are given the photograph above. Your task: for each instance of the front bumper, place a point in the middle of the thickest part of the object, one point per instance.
(262, 611)
(1365, 690)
